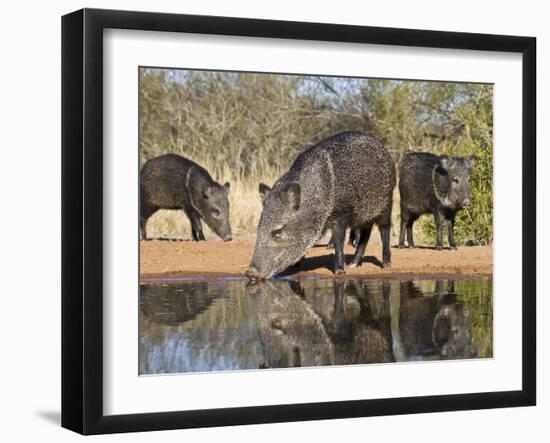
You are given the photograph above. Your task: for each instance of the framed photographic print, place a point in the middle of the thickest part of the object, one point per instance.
(270, 221)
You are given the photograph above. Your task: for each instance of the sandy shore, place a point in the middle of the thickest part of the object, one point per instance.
(162, 259)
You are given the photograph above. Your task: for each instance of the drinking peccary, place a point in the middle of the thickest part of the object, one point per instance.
(433, 184)
(344, 181)
(174, 182)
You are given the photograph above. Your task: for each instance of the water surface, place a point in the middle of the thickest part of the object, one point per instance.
(220, 325)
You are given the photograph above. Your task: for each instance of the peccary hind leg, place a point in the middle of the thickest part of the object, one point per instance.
(386, 252)
(362, 238)
(439, 220)
(354, 236)
(143, 226)
(330, 244)
(404, 223)
(407, 221)
(353, 239)
(338, 236)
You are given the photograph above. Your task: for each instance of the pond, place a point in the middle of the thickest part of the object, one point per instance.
(221, 325)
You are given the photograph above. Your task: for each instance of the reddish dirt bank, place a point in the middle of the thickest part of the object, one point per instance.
(162, 259)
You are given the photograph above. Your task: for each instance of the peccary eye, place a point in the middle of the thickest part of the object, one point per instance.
(456, 179)
(277, 234)
(215, 213)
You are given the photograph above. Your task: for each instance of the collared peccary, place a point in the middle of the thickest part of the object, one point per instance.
(440, 185)
(171, 181)
(344, 181)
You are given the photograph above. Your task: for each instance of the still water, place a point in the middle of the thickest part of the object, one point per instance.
(221, 325)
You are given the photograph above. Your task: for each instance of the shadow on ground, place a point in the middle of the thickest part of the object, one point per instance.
(326, 262)
(54, 417)
(429, 248)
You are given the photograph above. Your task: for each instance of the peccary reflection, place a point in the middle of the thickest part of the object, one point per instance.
(291, 333)
(361, 335)
(435, 325)
(172, 305)
(392, 321)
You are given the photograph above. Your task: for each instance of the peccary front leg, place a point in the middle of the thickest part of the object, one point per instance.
(196, 225)
(439, 220)
(450, 232)
(410, 240)
(146, 212)
(404, 224)
(386, 251)
(338, 236)
(362, 236)
(352, 241)
(407, 220)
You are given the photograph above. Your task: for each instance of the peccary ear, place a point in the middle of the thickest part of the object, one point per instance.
(290, 194)
(264, 190)
(446, 161)
(226, 185)
(207, 191)
(471, 161)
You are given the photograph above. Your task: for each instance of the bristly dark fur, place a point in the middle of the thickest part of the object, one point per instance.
(344, 181)
(429, 183)
(174, 182)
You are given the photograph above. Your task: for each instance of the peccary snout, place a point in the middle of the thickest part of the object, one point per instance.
(213, 204)
(253, 274)
(281, 240)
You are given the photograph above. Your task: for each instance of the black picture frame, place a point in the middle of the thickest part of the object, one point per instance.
(82, 218)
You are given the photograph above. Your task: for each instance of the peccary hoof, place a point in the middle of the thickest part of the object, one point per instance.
(439, 247)
(330, 246)
(453, 248)
(401, 246)
(354, 265)
(386, 265)
(339, 271)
